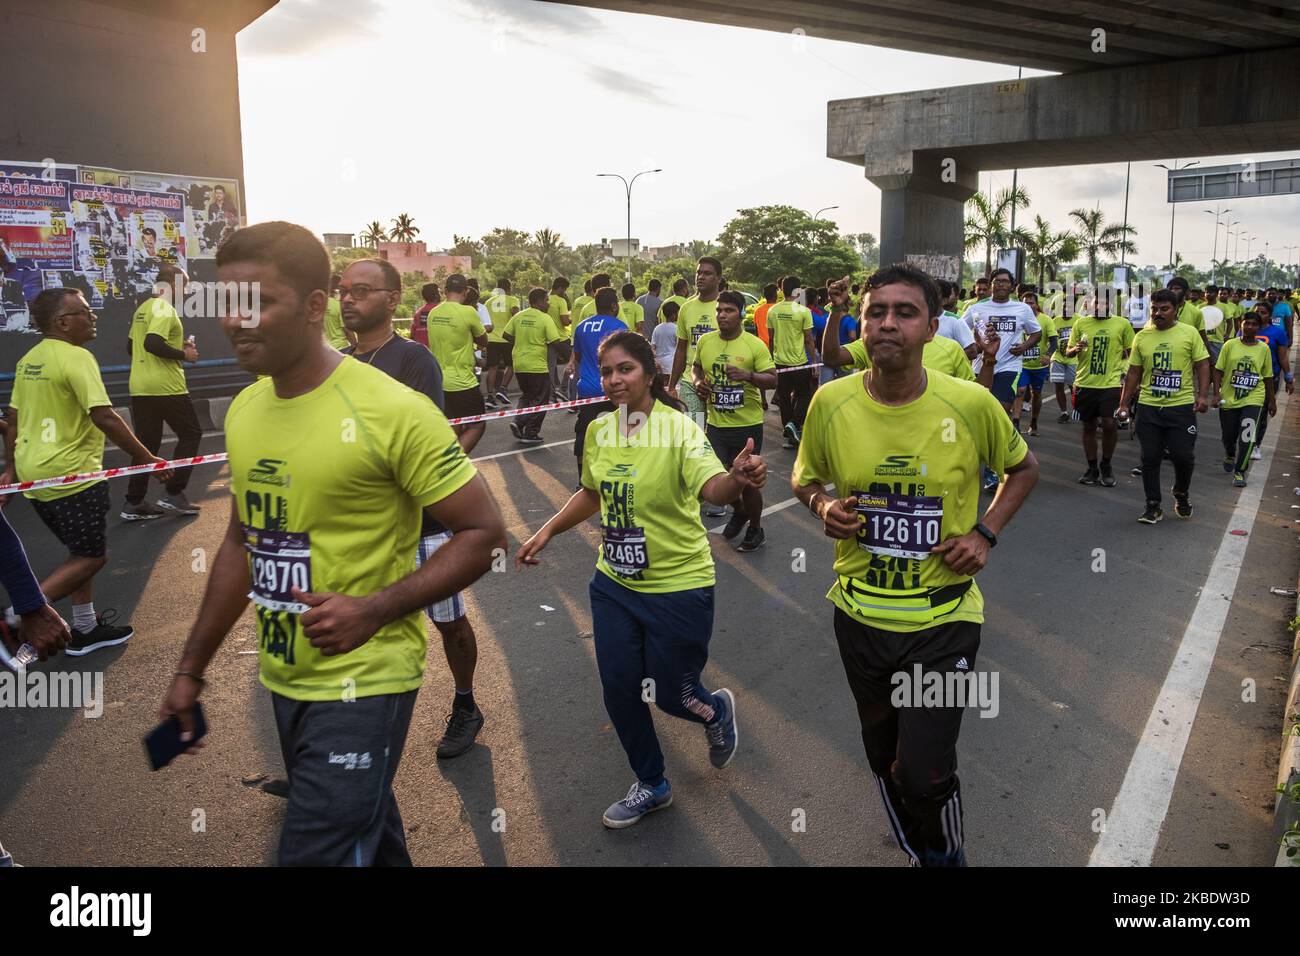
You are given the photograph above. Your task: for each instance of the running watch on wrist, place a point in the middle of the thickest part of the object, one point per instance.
(992, 538)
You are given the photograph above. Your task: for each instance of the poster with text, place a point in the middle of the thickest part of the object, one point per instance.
(211, 208)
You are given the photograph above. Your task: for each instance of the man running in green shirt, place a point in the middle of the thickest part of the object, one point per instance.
(530, 333)
(1247, 365)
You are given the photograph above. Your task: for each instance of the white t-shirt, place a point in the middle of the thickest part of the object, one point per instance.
(664, 341)
(950, 326)
(1012, 320)
(483, 317)
(1139, 310)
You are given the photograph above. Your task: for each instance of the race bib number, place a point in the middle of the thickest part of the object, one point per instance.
(1005, 324)
(1031, 353)
(1167, 382)
(729, 398)
(698, 332)
(281, 562)
(899, 526)
(625, 551)
(1244, 381)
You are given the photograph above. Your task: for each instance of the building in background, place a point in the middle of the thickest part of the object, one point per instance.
(414, 257)
(337, 240)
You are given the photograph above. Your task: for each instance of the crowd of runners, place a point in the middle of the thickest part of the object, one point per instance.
(355, 505)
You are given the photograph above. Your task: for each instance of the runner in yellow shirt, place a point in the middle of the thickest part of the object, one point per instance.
(531, 333)
(697, 316)
(337, 336)
(322, 536)
(630, 312)
(645, 469)
(1100, 345)
(791, 325)
(903, 448)
(731, 367)
(1245, 366)
(454, 330)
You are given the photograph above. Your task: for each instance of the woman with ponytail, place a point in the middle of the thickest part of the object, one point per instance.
(646, 466)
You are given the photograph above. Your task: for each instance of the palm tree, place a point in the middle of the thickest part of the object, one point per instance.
(1096, 238)
(589, 257)
(404, 230)
(548, 249)
(698, 248)
(1048, 250)
(987, 224)
(373, 235)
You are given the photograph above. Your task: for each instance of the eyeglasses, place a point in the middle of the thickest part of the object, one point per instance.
(359, 292)
(89, 313)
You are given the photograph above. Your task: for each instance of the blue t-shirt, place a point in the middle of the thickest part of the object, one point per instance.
(586, 341)
(1277, 340)
(819, 327)
(848, 329)
(1281, 312)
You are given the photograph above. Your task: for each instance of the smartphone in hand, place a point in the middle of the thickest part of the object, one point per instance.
(163, 744)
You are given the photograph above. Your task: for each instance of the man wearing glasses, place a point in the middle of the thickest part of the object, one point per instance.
(58, 416)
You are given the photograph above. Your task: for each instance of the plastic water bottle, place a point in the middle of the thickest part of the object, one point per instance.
(26, 656)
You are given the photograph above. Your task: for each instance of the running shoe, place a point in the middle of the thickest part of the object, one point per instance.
(1152, 514)
(1090, 477)
(715, 511)
(144, 511)
(754, 539)
(178, 503)
(1136, 472)
(1033, 431)
(463, 726)
(502, 398)
(1107, 477)
(1182, 506)
(722, 734)
(640, 800)
(1062, 418)
(791, 432)
(104, 634)
(1239, 480)
(530, 439)
(514, 430)
(1227, 464)
(1255, 455)
(489, 403)
(734, 526)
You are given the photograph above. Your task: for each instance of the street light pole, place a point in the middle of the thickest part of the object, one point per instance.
(1128, 172)
(627, 186)
(1214, 271)
(1173, 207)
(819, 212)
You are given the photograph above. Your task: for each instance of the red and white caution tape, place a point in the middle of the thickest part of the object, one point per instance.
(126, 470)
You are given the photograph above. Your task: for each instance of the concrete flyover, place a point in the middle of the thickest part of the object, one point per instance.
(1165, 78)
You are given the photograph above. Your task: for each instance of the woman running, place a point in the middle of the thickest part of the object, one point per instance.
(645, 468)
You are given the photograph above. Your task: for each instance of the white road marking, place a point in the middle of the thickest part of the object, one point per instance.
(1134, 822)
(523, 451)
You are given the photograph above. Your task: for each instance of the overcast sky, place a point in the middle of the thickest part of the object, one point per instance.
(470, 114)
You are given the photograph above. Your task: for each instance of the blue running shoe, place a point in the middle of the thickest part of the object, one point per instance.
(640, 800)
(722, 734)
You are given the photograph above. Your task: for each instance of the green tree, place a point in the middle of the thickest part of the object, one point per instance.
(987, 222)
(548, 249)
(465, 246)
(868, 250)
(373, 235)
(502, 241)
(1047, 250)
(765, 242)
(404, 230)
(696, 249)
(588, 256)
(340, 259)
(1097, 238)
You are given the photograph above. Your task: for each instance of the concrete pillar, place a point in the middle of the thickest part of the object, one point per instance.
(922, 214)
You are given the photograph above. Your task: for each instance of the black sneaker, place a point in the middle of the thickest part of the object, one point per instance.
(489, 403)
(514, 430)
(502, 398)
(463, 726)
(1107, 477)
(734, 526)
(1136, 472)
(1033, 429)
(144, 511)
(1151, 515)
(754, 539)
(104, 634)
(1228, 465)
(1062, 418)
(1182, 506)
(530, 439)
(1090, 477)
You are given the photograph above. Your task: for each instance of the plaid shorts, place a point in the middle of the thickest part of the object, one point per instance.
(78, 520)
(449, 609)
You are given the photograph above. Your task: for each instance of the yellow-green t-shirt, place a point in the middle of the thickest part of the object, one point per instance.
(500, 307)
(695, 320)
(558, 308)
(941, 354)
(532, 330)
(453, 327)
(580, 303)
(1168, 361)
(1245, 368)
(632, 315)
(56, 385)
(1038, 356)
(1063, 326)
(786, 323)
(649, 487)
(733, 404)
(1189, 314)
(151, 374)
(334, 331)
(341, 473)
(1101, 364)
(916, 472)
(679, 299)
(1219, 332)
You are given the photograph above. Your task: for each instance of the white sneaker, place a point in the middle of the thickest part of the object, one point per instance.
(1255, 455)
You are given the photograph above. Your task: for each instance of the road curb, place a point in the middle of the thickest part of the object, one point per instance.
(1286, 813)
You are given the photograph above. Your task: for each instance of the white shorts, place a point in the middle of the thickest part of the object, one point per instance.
(1062, 374)
(449, 609)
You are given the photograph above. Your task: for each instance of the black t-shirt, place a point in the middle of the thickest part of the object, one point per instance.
(415, 367)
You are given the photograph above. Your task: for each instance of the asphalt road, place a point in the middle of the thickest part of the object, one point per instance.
(1081, 656)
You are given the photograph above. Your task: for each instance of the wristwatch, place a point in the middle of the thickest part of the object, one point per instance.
(992, 538)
